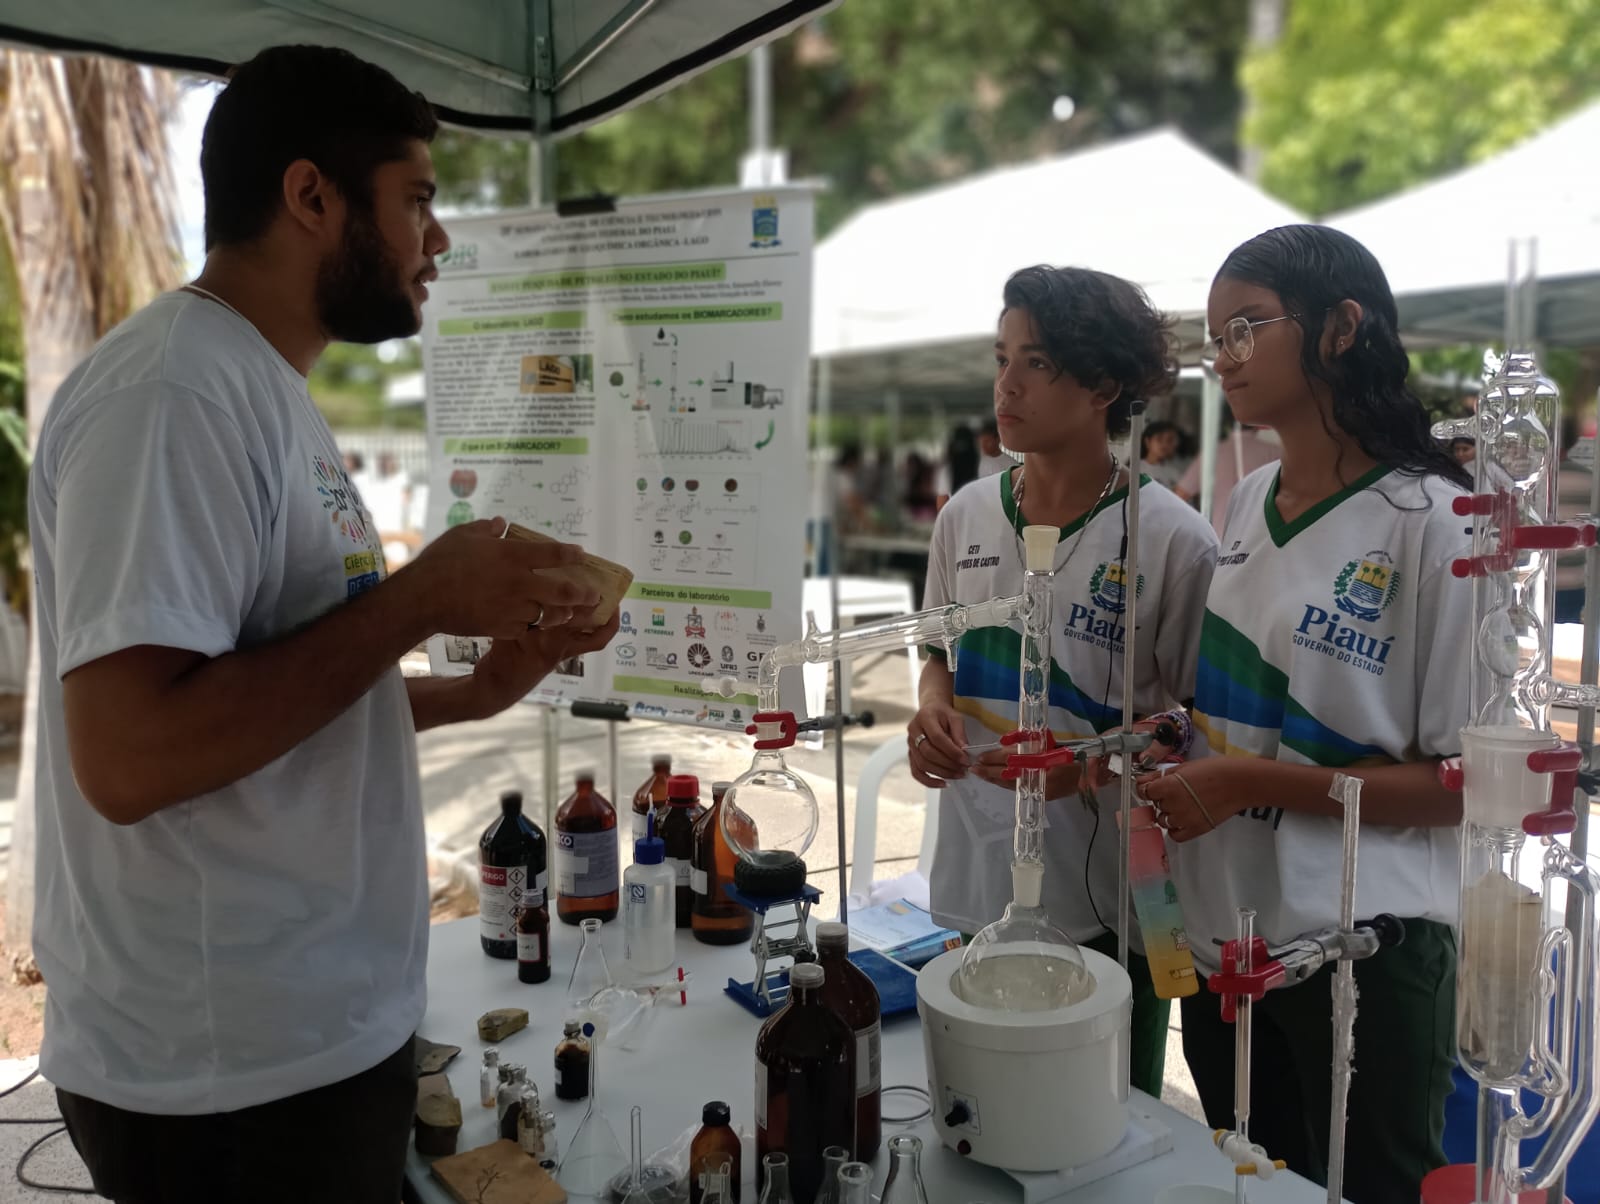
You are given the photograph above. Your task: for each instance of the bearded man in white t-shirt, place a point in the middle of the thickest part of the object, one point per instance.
(232, 909)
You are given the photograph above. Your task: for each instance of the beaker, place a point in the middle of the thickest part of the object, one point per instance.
(590, 974)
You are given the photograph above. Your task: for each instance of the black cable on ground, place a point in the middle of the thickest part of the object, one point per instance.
(60, 1189)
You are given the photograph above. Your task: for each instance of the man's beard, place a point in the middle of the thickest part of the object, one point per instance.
(361, 296)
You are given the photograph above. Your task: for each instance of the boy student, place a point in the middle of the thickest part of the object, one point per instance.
(1074, 348)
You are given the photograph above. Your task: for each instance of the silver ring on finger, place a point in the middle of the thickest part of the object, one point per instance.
(920, 738)
(538, 620)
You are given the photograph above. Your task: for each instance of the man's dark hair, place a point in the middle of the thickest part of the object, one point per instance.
(344, 114)
(1101, 330)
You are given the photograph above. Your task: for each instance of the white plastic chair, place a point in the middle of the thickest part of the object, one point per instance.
(884, 759)
(859, 597)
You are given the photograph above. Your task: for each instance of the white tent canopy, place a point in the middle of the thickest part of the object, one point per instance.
(908, 291)
(1444, 244)
(558, 65)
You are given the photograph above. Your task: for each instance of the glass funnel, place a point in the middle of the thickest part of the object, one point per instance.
(1022, 962)
(594, 1156)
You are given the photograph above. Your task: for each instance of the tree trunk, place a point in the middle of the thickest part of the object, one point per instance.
(58, 329)
(1266, 28)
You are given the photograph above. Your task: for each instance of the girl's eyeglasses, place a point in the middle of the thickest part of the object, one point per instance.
(1238, 339)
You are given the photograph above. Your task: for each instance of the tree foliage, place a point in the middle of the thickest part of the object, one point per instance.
(881, 97)
(1363, 97)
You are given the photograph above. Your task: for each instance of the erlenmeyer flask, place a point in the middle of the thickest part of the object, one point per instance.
(589, 973)
(904, 1184)
(855, 1183)
(594, 1155)
(775, 1172)
(833, 1157)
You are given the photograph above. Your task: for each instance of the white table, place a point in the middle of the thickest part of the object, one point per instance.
(706, 1051)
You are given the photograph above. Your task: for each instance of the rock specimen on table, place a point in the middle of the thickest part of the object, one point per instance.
(499, 1024)
(438, 1119)
(499, 1173)
(431, 1057)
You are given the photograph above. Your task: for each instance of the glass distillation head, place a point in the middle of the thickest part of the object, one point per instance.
(1022, 962)
(769, 815)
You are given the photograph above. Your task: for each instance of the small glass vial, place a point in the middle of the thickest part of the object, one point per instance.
(572, 1063)
(531, 1125)
(715, 1146)
(489, 1076)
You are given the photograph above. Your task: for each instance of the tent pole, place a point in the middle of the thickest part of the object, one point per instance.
(1210, 430)
(542, 152)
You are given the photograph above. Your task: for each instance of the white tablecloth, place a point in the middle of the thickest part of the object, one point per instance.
(706, 1051)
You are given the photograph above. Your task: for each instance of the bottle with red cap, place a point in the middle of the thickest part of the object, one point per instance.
(677, 833)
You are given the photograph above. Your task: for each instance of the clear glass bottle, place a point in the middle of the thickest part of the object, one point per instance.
(512, 1077)
(647, 906)
(855, 1183)
(651, 797)
(850, 993)
(833, 1159)
(805, 1081)
(775, 1188)
(511, 859)
(716, 919)
(590, 973)
(715, 1146)
(904, 1184)
(677, 832)
(572, 1063)
(489, 1076)
(586, 854)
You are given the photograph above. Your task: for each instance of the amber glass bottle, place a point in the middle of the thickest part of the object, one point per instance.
(714, 1144)
(586, 855)
(849, 993)
(651, 795)
(805, 1082)
(511, 861)
(676, 829)
(717, 919)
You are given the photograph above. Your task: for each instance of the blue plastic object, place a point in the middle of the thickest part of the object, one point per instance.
(897, 986)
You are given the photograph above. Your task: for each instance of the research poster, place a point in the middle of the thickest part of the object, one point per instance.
(636, 381)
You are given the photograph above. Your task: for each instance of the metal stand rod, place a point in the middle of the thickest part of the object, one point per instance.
(1130, 593)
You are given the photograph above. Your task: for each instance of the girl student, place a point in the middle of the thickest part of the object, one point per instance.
(1073, 349)
(1333, 639)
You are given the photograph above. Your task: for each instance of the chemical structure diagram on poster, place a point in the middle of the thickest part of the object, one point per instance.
(635, 382)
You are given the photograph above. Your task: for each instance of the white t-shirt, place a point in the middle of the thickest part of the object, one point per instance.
(1339, 639)
(270, 937)
(989, 465)
(975, 556)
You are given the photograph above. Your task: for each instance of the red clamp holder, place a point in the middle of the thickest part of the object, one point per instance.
(1562, 764)
(1253, 984)
(785, 720)
(1018, 763)
(1450, 776)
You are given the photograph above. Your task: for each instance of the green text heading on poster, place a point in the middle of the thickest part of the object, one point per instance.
(756, 599)
(511, 323)
(762, 312)
(675, 689)
(666, 273)
(526, 445)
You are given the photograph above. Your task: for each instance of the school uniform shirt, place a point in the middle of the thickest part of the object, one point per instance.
(269, 937)
(1339, 639)
(976, 555)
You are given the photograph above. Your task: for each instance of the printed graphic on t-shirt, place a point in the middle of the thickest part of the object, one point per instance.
(340, 500)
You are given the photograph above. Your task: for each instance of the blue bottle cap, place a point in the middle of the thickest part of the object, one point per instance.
(650, 849)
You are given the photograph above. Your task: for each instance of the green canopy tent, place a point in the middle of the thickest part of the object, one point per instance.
(548, 67)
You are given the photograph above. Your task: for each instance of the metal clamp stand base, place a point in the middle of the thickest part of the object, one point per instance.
(766, 993)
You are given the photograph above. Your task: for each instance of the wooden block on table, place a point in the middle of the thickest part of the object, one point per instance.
(499, 1024)
(438, 1121)
(499, 1173)
(609, 578)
